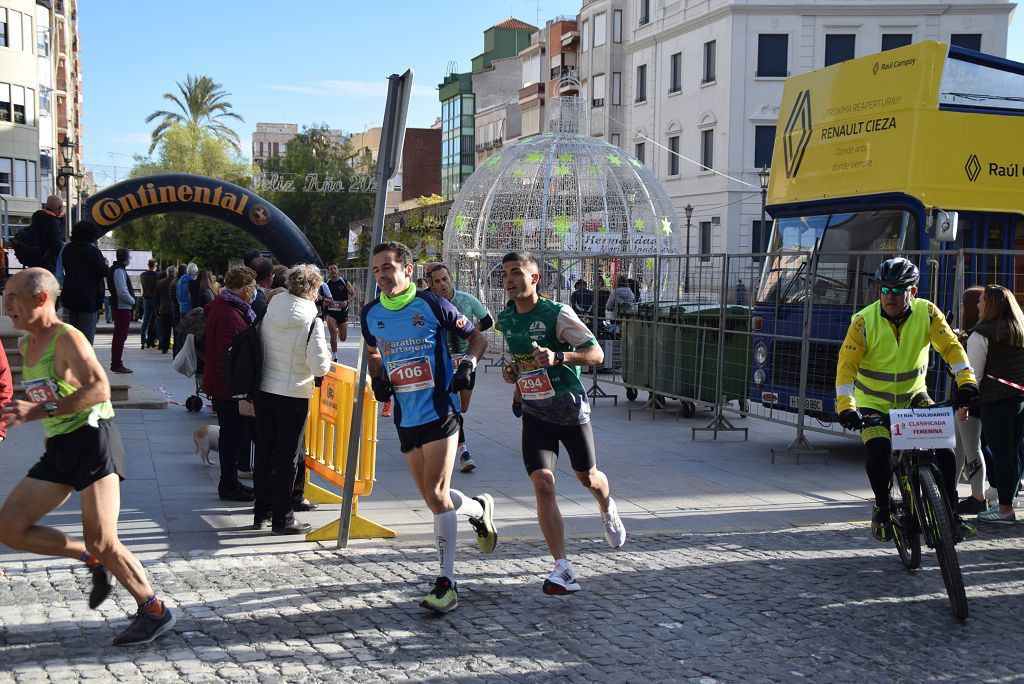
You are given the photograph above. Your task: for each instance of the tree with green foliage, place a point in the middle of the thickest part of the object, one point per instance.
(421, 230)
(203, 107)
(322, 215)
(182, 237)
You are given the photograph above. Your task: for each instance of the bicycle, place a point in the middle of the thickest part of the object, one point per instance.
(917, 505)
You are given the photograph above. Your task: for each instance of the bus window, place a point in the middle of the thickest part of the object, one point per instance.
(842, 278)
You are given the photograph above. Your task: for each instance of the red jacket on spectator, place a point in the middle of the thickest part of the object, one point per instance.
(224, 320)
(6, 384)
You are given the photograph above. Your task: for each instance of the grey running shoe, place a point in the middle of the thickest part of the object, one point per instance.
(145, 627)
(466, 463)
(101, 586)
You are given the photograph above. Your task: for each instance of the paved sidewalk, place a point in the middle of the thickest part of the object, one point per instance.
(735, 569)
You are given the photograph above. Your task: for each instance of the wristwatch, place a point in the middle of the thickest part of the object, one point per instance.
(559, 358)
(51, 408)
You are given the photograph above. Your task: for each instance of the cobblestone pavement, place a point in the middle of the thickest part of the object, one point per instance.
(820, 602)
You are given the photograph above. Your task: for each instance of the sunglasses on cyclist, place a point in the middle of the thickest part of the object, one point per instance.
(898, 291)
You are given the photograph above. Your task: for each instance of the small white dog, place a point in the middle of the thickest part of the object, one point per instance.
(207, 439)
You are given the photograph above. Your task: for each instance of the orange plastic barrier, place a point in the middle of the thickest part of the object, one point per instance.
(326, 441)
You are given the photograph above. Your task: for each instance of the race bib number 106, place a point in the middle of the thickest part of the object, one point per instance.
(410, 375)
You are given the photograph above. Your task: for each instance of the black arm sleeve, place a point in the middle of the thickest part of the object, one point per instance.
(485, 323)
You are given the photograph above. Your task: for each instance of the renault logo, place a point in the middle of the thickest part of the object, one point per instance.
(797, 133)
(972, 167)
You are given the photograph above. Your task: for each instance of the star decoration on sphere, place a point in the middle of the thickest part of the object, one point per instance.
(493, 161)
(636, 164)
(461, 222)
(614, 159)
(535, 157)
(560, 224)
(565, 158)
(562, 170)
(666, 226)
(640, 225)
(518, 222)
(518, 173)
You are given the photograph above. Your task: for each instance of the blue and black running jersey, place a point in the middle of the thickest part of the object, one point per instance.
(411, 342)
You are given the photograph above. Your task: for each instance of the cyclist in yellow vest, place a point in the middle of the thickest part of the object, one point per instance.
(68, 391)
(882, 366)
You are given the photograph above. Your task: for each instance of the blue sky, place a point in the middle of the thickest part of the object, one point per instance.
(305, 61)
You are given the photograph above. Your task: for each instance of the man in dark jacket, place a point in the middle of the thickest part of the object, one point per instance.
(148, 280)
(84, 272)
(50, 230)
(122, 298)
(164, 303)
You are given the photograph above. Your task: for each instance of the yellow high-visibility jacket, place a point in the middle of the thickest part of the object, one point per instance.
(882, 365)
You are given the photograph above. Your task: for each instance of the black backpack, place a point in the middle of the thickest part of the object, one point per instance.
(27, 246)
(241, 369)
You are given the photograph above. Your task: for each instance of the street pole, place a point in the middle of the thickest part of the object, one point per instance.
(686, 280)
(763, 175)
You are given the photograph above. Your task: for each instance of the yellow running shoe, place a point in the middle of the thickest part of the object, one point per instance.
(486, 534)
(443, 598)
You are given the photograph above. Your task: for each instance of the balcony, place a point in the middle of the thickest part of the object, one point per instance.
(531, 92)
(597, 102)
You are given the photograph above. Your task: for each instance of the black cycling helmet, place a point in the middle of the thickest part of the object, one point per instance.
(898, 271)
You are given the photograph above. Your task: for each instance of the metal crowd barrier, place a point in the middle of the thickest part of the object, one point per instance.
(694, 334)
(326, 441)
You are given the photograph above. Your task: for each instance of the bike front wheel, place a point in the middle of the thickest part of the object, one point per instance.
(905, 530)
(939, 521)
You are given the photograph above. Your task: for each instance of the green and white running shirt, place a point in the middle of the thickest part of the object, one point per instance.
(473, 309)
(554, 393)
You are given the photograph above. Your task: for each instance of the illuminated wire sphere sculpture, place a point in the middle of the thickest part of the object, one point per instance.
(576, 202)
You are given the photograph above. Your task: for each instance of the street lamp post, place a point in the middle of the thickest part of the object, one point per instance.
(67, 171)
(763, 176)
(686, 280)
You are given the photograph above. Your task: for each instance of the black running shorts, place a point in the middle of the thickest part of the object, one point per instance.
(81, 457)
(540, 444)
(410, 438)
(338, 316)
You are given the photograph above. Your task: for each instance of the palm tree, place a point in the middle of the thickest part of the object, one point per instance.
(203, 107)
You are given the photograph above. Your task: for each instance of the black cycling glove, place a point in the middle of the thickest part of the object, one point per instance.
(850, 419)
(966, 394)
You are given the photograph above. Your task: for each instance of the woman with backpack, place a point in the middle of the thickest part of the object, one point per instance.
(996, 352)
(294, 353)
(229, 314)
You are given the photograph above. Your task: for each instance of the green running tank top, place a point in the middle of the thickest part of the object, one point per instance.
(41, 384)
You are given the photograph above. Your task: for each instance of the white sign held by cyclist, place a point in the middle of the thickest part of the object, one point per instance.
(924, 428)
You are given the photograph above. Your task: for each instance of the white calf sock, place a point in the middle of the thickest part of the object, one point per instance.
(446, 528)
(465, 505)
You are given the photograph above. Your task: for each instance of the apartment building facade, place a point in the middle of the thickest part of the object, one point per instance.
(692, 88)
(40, 105)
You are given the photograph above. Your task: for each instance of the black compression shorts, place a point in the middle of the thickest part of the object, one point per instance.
(541, 439)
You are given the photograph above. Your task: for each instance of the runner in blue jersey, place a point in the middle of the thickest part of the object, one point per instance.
(408, 359)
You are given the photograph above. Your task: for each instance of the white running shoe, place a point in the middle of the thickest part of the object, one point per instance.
(561, 581)
(614, 531)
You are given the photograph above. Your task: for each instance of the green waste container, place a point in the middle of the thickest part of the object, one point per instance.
(698, 347)
(635, 341)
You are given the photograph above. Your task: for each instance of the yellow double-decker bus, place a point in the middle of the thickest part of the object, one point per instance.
(917, 148)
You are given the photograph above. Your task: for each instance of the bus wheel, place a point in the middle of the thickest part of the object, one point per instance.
(632, 393)
(688, 409)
